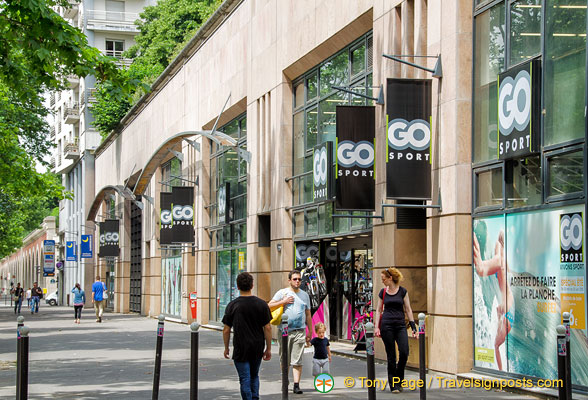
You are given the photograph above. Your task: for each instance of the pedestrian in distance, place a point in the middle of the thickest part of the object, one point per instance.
(393, 303)
(296, 305)
(17, 293)
(321, 361)
(79, 301)
(250, 317)
(28, 294)
(36, 296)
(98, 289)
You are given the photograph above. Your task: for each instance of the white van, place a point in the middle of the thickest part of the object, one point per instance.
(52, 298)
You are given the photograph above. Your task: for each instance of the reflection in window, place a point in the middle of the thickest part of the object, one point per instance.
(565, 69)
(524, 182)
(312, 86)
(489, 188)
(357, 60)
(334, 72)
(488, 62)
(298, 142)
(311, 128)
(566, 174)
(525, 30)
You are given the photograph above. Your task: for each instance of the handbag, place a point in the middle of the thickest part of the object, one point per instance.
(277, 316)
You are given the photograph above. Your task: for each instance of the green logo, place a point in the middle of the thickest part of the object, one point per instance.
(324, 383)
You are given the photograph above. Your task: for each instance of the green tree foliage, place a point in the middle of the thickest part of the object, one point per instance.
(165, 29)
(38, 49)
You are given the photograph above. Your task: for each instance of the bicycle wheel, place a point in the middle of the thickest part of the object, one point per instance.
(357, 332)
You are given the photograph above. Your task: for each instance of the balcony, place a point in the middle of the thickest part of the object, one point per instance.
(73, 81)
(120, 60)
(111, 21)
(71, 114)
(71, 151)
(71, 12)
(91, 94)
(52, 133)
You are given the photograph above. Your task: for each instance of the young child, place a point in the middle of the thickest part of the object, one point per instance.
(322, 351)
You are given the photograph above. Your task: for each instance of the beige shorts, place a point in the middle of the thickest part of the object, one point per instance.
(296, 343)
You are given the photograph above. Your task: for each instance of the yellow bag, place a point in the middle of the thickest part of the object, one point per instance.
(277, 316)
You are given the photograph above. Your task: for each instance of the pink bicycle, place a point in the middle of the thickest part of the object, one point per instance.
(358, 328)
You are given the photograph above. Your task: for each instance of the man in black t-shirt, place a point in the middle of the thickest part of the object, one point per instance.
(17, 292)
(250, 317)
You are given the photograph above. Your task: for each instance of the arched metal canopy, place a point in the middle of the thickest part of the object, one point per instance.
(125, 192)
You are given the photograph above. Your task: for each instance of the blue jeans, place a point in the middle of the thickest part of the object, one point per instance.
(17, 303)
(34, 304)
(249, 378)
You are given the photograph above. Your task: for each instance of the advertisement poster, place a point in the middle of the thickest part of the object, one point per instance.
(528, 270)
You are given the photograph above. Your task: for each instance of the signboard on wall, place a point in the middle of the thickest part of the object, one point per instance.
(355, 170)
(177, 215)
(519, 110)
(71, 251)
(109, 238)
(48, 257)
(408, 139)
(524, 279)
(322, 172)
(86, 246)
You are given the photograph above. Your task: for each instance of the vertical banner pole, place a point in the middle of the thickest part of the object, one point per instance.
(566, 323)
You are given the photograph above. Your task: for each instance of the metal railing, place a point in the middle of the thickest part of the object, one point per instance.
(115, 16)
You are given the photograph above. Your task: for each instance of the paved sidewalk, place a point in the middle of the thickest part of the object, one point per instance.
(115, 360)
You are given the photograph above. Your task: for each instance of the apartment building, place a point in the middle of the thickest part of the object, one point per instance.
(109, 26)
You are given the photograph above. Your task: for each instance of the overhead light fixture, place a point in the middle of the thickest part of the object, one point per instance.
(338, 238)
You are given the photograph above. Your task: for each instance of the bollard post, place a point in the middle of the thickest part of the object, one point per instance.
(371, 362)
(284, 356)
(422, 357)
(158, 348)
(23, 370)
(19, 325)
(561, 360)
(194, 326)
(566, 324)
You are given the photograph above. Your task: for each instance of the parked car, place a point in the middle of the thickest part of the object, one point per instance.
(52, 298)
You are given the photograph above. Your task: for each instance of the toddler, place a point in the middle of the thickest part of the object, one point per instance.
(322, 351)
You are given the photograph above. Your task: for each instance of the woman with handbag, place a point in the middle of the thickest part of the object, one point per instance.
(393, 303)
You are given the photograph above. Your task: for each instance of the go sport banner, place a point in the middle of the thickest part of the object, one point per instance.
(528, 269)
(322, 172)
(408, 142)
(519, 107)
(108, 245)
(177, 215)
(355, 169)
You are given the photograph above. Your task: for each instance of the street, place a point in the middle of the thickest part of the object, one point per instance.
(115, 359)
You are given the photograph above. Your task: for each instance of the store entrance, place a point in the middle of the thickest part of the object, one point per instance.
(344, 305)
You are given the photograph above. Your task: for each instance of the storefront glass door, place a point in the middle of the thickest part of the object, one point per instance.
(171, 283)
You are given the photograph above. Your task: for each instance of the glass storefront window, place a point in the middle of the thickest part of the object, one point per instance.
(334, 72)
(311, 87)
(229, 263)
(566, 174)
(311, 128)
(171, 282)
(298, 143)
(327, 119)
(525, 30)
(358, 60)
(488, 62)
(525, 186)
(564, 70)
(298, 95)
(489, 188)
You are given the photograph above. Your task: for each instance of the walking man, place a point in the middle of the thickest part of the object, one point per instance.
(250, 317)
(297, 307)
(98, 289)
(17, 292)
(36, 296)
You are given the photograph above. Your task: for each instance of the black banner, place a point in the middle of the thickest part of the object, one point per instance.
(177, 215)
(322, 172)
(109, 238)
(355, 168)
(408, 141)
(223, 202)
(519, 110)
